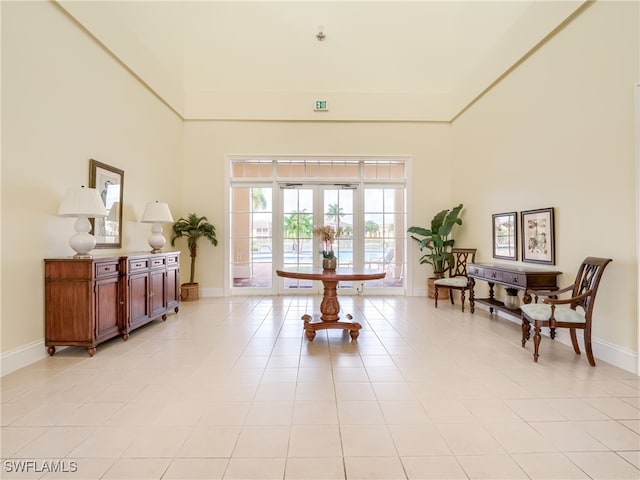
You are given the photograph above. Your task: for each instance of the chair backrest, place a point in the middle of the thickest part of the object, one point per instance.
(389, 256)
(588, 278)
(461, 256)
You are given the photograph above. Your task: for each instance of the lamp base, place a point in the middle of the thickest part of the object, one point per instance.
(82, 242)
(156, 240)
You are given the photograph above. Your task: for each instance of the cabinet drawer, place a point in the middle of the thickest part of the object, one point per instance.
(157, 262)
(138, 264)
(477, 271)
(106, 269)
(172, 260)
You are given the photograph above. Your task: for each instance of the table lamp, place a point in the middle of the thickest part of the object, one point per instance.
(83, 203)
(156, 213)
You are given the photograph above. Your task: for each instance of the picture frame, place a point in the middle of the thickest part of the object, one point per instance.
(538, 236)
(505, 235)
(109, 181)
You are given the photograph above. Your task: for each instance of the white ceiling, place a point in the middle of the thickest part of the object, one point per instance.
(415, 60)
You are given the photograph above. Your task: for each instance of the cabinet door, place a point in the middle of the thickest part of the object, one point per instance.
(138, 299)
(157, 293)
(107, 308)
(172, 289)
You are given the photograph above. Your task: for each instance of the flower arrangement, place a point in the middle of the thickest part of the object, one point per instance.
(328, 234)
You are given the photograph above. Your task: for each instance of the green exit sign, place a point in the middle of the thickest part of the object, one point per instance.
(321, 106)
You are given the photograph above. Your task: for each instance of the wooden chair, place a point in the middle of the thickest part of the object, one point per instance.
(456, 274)
(555, 313)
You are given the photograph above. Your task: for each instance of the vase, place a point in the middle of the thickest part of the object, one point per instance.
(329, 263)
(512, 302)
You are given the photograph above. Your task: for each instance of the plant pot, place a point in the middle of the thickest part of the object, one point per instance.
(512, 302)
(431, 289)
(329, 263)
(189, 292)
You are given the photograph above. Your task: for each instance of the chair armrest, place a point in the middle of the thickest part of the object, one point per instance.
(557, 301)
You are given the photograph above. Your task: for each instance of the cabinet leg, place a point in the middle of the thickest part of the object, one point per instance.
(176, 309)
(91, 351)
(125, 336)
(164, 317)
(51, 350)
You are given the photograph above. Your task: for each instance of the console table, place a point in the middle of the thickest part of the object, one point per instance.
(330, 307)
(510, 276)
(90, 300)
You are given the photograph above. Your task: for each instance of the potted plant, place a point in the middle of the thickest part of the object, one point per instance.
(193, 228)
(437, 240)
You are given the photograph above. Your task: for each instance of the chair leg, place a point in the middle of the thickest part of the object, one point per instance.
(574, 340)
(536, 341)
(435, 294)
(462, 299)
(587, 347)
(526, 331)
(451, 296)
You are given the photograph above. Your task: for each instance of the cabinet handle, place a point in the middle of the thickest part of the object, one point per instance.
(493, 274)
(515, 279)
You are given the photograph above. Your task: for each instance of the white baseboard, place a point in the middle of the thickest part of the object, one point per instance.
(212, 292)
(22, 356)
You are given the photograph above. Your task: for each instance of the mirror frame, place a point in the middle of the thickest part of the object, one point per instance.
(99, 174)
(501, 219)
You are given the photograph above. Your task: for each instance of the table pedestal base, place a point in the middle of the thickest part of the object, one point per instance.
(314, 323)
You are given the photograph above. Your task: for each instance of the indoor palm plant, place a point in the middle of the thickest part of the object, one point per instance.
(193, 228)
(437, 239)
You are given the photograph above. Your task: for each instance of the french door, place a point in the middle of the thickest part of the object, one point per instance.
(276, 202)
(305, 206)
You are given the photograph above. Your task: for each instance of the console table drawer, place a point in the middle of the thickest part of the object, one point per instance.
(138, 264)
(514, 279)
(106, 269)
(476, 271)
(491, 274)
(157, 262)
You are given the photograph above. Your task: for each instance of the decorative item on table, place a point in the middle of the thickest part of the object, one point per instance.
(157, 213)
(511, 299)
(328, 234)
(82, 203)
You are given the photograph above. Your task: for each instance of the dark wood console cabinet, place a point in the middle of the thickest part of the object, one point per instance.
(90, 300)
(509, 276)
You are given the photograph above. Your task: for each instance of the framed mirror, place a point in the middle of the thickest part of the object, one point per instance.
(109, 181)
(505, 236)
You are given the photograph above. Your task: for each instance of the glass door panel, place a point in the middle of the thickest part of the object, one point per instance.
(251, 237)
(338, 211)
(297, 233)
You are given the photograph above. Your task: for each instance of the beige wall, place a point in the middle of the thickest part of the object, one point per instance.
(558, 132)
(65, 100)
(568, 110)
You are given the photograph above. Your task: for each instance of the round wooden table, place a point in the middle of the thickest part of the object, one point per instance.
(330, 307)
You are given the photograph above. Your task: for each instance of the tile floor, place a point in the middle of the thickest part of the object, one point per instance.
(230, 388)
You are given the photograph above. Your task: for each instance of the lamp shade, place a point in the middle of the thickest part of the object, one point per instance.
(157, 212)
(114, 212)
(82, 202)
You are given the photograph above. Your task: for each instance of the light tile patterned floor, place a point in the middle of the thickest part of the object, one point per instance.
(231, 388)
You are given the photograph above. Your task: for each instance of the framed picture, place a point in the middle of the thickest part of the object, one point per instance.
(538, 238)
(505, 236)
(110, 183)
